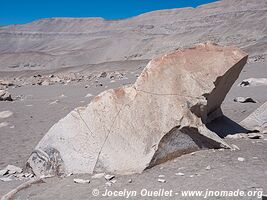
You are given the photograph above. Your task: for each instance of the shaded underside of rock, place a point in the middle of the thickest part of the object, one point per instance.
(161, 116)
(257, 121)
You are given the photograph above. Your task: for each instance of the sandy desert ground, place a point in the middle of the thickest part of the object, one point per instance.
(50, 77)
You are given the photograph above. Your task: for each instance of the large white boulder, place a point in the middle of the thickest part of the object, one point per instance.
(161, 116)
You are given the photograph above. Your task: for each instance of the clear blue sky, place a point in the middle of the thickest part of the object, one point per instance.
(23, 11)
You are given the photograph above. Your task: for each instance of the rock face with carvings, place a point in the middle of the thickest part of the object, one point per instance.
(160, 117)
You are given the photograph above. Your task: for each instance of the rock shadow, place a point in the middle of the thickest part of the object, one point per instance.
(224, 126)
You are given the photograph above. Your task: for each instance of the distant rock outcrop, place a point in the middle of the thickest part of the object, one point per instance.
(68, 42)
(162, 116)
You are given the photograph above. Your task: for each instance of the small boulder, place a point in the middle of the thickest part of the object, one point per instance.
(80, 181)
(5, 96)
(244, 100)
(5, 114)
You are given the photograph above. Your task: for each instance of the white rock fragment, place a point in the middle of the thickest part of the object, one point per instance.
(54, 102)
(5, 114)
(161, 176)
(235, 147)
(237, 136)
(89, 95)
(241, 159)
(108, 184)
(161, 180)
(100, 175)
(130, 181)
(208, 167)
(81, 181)
(13, 169)
(6, 179)
(179, 174)
(70, 174)
(109, 177)
(113, 181)
(3, 172)
(3, 124)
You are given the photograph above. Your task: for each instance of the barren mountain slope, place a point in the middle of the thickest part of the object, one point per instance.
(63, 42)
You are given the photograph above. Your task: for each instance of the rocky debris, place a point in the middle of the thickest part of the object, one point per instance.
(235, 147)
(255, 136)
(113, 181)
(256, 58)
(45, 83)
(3, 124)
(179, 174)
(5, 96)
(103, 75)
(89, 95)
(12, 172)
(62, 96)
(109, 177)
(236, 136)
(245, 135)
(241, 159)
(97, 176)
(5, 114)
(13, 169)
(109, 184)
(5, 83)
(3, 172)
(257, 121)
(6, 179)
(252, 82)
(160, 117)
(130, 181)
(208, 167)
(81, 181)
(99, 84)
(244, 100)
(161, 180)
(54, 102)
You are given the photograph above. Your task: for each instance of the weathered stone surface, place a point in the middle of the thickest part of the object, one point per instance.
(160, 117)
(257, 120)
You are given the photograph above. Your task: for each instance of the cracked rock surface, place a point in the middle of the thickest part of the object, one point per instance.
(160, 117)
